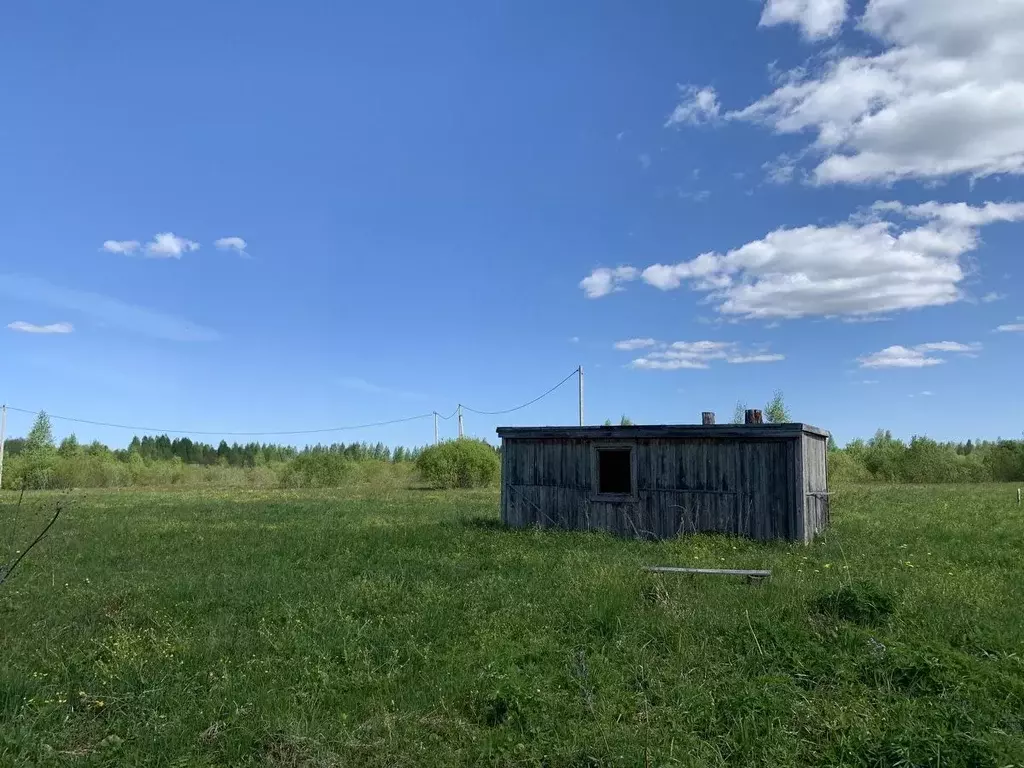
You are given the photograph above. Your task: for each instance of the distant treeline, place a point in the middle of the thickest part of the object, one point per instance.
(163, 448)
(37, 461)
(885, 458)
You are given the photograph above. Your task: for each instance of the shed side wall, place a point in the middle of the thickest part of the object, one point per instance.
(743, 487)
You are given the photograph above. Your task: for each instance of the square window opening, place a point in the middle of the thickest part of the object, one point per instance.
(614, 470)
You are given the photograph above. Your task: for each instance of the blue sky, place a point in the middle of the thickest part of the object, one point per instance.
(418, 205)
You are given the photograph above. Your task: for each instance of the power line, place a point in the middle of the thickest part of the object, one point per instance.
(524, 405)
(226, 434)
(283, 433)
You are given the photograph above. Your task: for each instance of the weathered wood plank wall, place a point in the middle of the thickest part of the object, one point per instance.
(815, 485)
(749, 487)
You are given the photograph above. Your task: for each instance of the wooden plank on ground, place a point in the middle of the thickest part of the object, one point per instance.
(712, 571)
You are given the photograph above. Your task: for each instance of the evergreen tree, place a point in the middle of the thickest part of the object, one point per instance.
(69, 447)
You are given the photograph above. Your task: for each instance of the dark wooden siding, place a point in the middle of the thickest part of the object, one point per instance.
(749, 487)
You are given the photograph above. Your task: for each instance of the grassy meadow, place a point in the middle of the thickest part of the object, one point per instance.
(384, 626)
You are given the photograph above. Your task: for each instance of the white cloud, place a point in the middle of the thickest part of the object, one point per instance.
(695, 355)
(697, 105)
(817, 18)
(939, 91)
(864, 266)
(603, 280)
(645, 160)
(23, 327)
(631, 344)
(670, 276)
(780, 170)
(168, 245)
(653, 363)
(926, 393)
(236, 244)
(574, 339)
(898, 357)
(123, 247)
(988, 298)
(920, 356)
(870, 381)
(947, 346)
(762, 358)
(959, 215)
(1011, 328)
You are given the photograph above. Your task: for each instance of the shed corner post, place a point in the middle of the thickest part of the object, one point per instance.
(800, 495)
(503, 479)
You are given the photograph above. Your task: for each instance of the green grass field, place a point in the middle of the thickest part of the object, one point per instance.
(407, 628)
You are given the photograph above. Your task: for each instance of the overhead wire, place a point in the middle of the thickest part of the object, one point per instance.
(226, 434)
(284, 433)
(524, 405)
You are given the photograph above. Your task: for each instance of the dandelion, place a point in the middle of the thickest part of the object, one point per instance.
(828, 565)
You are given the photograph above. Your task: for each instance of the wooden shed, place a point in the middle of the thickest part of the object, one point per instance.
(762, 481)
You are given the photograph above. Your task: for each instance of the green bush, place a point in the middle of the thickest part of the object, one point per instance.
(83, 471)
(462, 463)
(316, 470)
(1005, 461)
(843, 467)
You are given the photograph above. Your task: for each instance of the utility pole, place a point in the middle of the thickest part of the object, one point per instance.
(3, 437)
(460, 421)
(435, 427)
(581, 395)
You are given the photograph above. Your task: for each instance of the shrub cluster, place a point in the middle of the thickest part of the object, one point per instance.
(316, 470)
(884, 458)
(462, 463)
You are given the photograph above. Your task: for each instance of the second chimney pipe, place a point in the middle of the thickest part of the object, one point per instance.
(752, 416)
(707, 418)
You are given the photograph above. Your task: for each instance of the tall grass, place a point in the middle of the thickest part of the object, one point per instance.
(376, 627)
